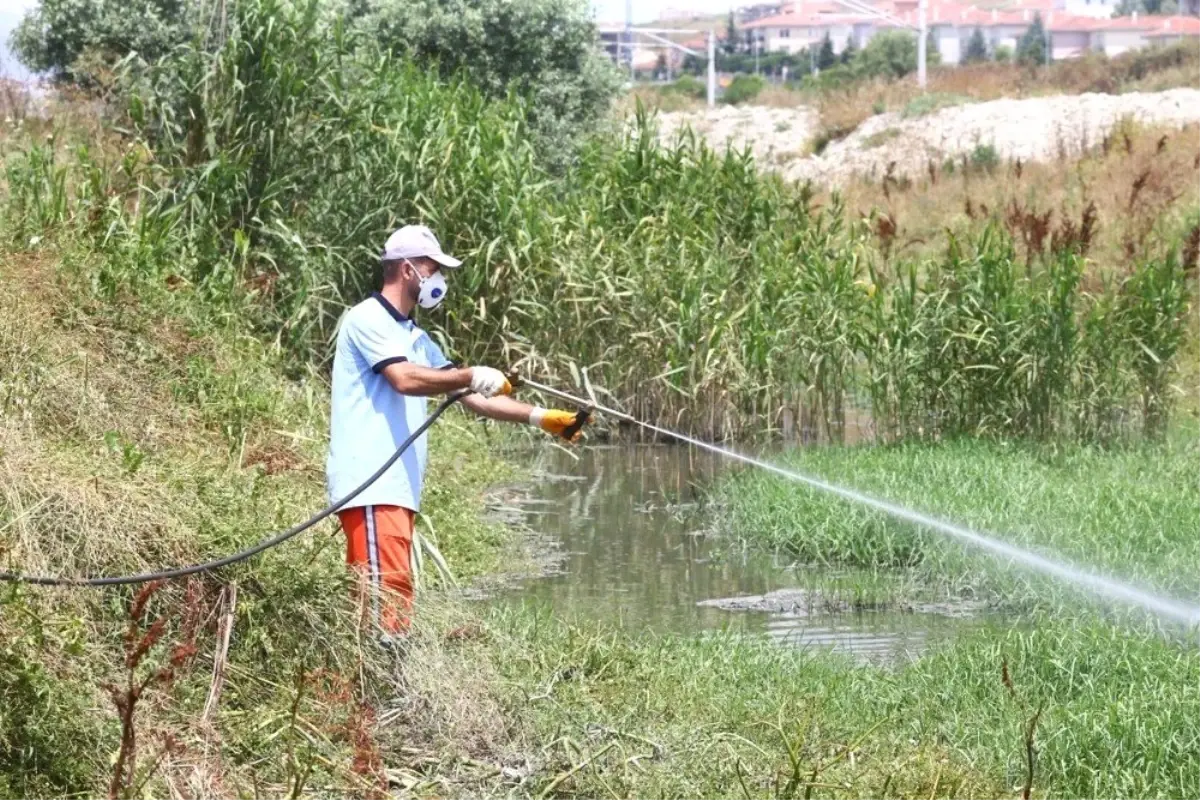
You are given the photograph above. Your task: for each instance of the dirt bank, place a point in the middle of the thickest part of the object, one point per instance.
(1033, 129)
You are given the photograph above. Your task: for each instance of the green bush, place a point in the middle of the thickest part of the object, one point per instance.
(835, 77)
(888, 54)
(743, 88)
(687, 86)
(1003, 54)
(53, 36)
(49, 742)
(985, 157)
(545, 50)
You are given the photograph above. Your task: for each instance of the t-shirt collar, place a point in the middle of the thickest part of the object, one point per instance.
(391, 309)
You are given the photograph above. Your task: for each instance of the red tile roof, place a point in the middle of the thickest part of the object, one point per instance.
(1173, 26)
(818, 14)
(807, 19)
(789, 20)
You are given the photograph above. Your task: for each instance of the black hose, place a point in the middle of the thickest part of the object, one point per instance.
(277, 539)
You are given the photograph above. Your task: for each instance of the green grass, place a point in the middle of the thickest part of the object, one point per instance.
(1118, 687)
(1131, 512)
(600, 711)
(933, 101)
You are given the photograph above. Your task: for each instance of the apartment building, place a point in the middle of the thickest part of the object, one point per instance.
(1073, 27)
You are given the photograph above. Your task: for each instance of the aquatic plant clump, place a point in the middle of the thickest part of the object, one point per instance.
(1129, 514)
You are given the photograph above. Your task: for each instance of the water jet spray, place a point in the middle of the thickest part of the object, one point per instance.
(1163, 607)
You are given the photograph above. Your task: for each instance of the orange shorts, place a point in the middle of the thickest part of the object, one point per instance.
(378, 548)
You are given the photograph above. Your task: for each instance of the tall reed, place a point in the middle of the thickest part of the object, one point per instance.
(683, 284)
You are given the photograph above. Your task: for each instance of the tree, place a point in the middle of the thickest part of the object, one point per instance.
(54, 35)
(1031, 49)
(890, 53)
(976, 48)
(825, 56)
(933, 53)
(849, 51)
(731, 38)
(1127, 7)
(544, 49)
(804, 60)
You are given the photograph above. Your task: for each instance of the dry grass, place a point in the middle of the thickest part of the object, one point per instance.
(1137, 182)
(136, 435)
(106, 468)
(88, 472)
(1119, 201)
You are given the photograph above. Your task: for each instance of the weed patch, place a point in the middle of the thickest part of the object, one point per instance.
(933, 101)
(882, 137)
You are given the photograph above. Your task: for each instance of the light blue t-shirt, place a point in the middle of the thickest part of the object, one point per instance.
(369, 419)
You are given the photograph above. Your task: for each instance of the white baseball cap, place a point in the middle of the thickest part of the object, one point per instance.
(416, 241)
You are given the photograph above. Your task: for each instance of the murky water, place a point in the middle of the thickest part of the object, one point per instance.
(638, 551)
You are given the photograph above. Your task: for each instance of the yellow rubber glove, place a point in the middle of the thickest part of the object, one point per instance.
(554, 421)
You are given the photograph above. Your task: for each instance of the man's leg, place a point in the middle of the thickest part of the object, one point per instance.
(378, 547)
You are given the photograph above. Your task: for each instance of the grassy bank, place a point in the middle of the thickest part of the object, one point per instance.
(645, 716)
(144, 432)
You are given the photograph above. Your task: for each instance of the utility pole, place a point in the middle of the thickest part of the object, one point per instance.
(712, 69)
(629, 35)
(922, 35)
(1046, 28)
(755, 55)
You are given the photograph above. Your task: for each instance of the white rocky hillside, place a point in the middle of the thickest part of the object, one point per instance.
(1037, 128)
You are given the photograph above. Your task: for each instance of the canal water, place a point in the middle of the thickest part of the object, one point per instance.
(639, 550)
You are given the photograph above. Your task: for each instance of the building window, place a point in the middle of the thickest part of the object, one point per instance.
(785, 33)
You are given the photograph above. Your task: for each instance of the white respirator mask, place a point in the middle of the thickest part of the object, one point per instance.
(433, 289)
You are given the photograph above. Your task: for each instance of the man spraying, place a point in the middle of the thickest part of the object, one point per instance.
(384, 368)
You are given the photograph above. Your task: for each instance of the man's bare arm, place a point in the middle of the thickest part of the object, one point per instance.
(417, 381)
(501, 408)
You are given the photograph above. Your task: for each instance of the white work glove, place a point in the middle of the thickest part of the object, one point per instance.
(489, 382)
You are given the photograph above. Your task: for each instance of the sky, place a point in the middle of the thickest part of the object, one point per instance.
(11, 12)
